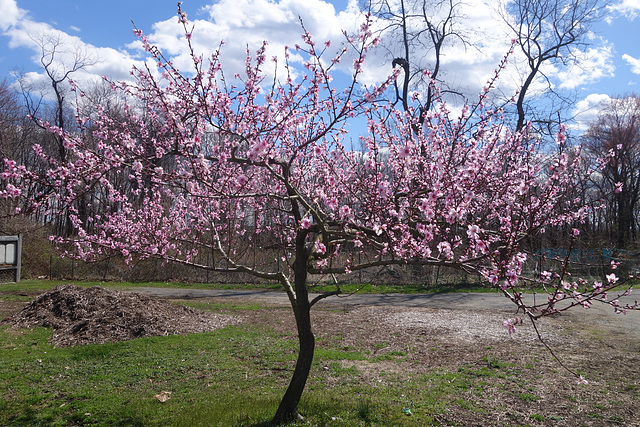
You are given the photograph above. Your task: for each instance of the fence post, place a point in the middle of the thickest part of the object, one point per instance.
(18, 257)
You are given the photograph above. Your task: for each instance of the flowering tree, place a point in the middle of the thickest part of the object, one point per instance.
(204, 164)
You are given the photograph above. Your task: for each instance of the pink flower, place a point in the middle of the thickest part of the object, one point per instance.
(581, 380)
(305, 223)
(405, 151)
(345, 211)
(12, 190)
(473, 231)
(319, 247)
(242, 180)
(612, 278)
(618, 187)
(510, 325)
(445, 249)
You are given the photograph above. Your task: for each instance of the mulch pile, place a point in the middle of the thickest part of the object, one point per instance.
(98, 315)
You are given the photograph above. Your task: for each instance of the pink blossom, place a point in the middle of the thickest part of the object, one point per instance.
(618, 188)
(510, 325)
(611, 278)
(581, 380)
(305, 223)
(319, 247)
(242, 180)
(473, 231)
(405, 151)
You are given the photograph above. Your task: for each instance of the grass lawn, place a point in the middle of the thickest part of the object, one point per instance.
(235, 376)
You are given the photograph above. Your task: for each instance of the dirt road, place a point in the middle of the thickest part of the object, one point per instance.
(481, 301)
(601, 319)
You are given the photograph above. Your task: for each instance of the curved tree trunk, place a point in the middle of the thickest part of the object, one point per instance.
(288, 409)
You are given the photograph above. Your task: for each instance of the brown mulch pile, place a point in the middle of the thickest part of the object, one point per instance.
(98, 315)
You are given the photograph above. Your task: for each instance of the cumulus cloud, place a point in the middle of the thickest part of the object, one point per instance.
(628, 8)
(586, 111)
(633, 62)
(246, 24)
(70, 50)
(11, 14)
(468, 57)
(591, 65)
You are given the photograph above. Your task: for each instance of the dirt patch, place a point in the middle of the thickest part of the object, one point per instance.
(98, 315)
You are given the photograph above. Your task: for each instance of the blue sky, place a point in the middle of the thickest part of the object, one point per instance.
(103, 32)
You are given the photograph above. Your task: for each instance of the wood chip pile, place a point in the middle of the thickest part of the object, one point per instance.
(98, 315)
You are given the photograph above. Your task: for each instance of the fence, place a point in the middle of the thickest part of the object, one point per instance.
(591, 260)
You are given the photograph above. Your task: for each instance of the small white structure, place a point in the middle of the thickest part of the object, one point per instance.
(11, 255)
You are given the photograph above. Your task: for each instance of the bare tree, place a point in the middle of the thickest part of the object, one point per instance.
(59, 60)
(617, 130)
(415, 33)
(547, 32)
(9, 118)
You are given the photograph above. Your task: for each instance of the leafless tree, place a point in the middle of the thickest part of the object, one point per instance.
(47, 103)
(59, 62)
(547, 32)
(617, 130)
(9, 118)
(415, 34)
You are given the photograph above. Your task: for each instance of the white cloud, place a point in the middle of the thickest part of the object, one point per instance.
(465, 67)
(243, 24)
(11, 14)
(41, 38)
(628, 8)
(586, 111)
(633, 62)
(591, 66)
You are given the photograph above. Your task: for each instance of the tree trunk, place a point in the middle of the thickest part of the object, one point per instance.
(288, 409)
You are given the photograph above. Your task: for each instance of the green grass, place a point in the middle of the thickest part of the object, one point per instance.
(217, 306)
(231, 377)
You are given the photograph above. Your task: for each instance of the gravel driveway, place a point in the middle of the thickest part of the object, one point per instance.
(599, 316)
